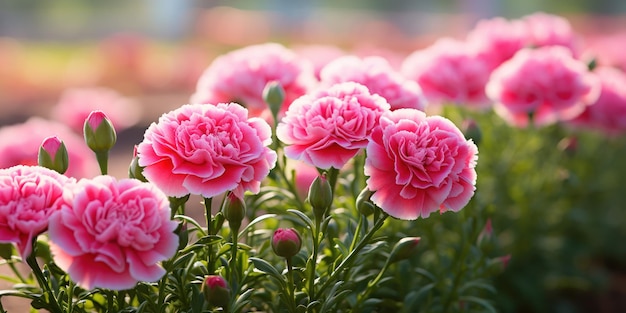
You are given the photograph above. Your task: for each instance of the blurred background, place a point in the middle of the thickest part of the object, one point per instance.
(152, 53)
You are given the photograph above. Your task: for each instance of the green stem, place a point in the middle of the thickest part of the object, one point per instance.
(459, 272)
(316, 237)
(103, 161)
(291, 286)
(31, 260)
(370, 286)
(207, 211)
(234, 274)
(364, 241)
(16, 272)
(357, 231)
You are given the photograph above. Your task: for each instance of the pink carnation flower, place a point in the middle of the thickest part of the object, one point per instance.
(543, 29)
(546, 83)
(113, 234)
(207, 150)
(328, 128)
(449, 71)
(418, 165)
(608, 113)
(19, 144)
(76, 104)
(241, 75)
(378, 76)
(497, 39)
(29, 195)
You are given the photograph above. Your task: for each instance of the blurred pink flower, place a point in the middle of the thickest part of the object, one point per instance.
(378, 76)
(304, 176)
(319, 55)
(113, 234)
(76, 104)
(546, 83)
(607, 49)
(29, 195)
(326, 129)
(543, 29)
(206, 150)
(449, 71)
(497, 39)
(608, 112)
(19, 144)
(418, 165)
(241, 75)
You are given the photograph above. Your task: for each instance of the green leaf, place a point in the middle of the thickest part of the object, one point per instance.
(268, 268)
(303, 217)
(482, 302)
(255, 221)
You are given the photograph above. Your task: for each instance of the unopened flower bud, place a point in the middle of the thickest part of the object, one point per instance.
(320, 196)
(135, 170)
(404, 249)
(363, 203)
(472, 131)
(6, 250)
(53, 155)
(216, 291)
(274, 95)
(99, 133)
(234, 211)
(286, 242)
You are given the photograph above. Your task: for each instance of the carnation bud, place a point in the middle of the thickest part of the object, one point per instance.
(320, 196)
(6, 250)
(99, 133)
(134, 170)
(216, 291)
(234, 211)
(487, 231)
(274, 95)
(286, 242)
(404, 249)
(363, 203)
(472, 131)
(53, 154)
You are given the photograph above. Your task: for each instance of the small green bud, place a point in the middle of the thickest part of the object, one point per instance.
(234, 211)
(216, 291)
(99, 133)
(6, 250)
(286, 242)
(404, 249)
(320, 196)
(274, 95)
(53, 154)
(134, 169)
(363, 203)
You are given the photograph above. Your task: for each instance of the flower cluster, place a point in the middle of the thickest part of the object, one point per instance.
(307, 168)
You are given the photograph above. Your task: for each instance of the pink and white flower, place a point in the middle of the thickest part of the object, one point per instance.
(113, 234)
(207, 150)
(76, 104)
(543, 29)
(546, 83)
(326, 129)
(608, 112)
(449, 71)
(418, 165)
(19, 144)
(378, 76)
(29, 196)
(241, 75)
(497, 39)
